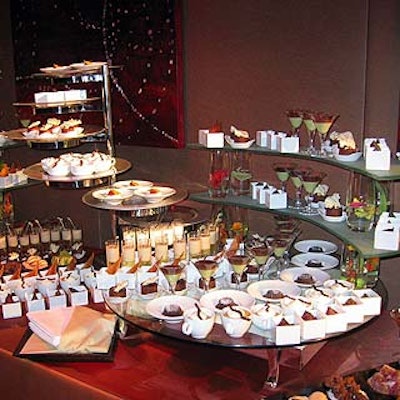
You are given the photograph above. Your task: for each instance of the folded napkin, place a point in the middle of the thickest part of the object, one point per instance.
(74, 329)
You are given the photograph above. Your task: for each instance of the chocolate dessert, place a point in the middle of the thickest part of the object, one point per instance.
(314, 263)
(172, 310)
(252, 269)
(211, 285)
(315, 249)
(243, 278)
(350, 302)
(307, 316)
(331, 311)
(305, 279)
(225, 302)
(333, 212)
(283, 322)
(148, 288)
(274, 294)
(180, 285)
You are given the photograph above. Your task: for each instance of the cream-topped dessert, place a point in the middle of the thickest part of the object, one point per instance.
(320, 192)
(239, 135)
(345, 141)
(333, 208)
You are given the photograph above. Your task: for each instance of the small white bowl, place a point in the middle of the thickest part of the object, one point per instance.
(348, 157)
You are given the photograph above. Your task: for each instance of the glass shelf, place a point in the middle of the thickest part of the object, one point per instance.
(358, 166)
(362, 241)
(19, 186)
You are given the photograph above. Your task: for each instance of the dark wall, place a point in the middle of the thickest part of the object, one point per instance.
(245, 63)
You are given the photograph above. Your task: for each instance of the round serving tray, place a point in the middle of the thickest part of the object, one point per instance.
(136, 204)
(51, 144)
(36, 172)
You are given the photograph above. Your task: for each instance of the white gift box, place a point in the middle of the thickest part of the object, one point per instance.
(49, 97)
(96, 295)
(69, 278)
(75, 94)
(11, 284)
(275, 199)
(211, 140)
(12, 310)
(334, 322)
(56, 299)
(354, 312)
(313, 328)
(376, 159)
(272, 139)
(35, 302)
(386, 236)
(261, 138)
(287, 334)
(78, 295)
(46, 284)
(105, 280)
(262, 194)
(371, 301)
(288, 144)
(255, 189)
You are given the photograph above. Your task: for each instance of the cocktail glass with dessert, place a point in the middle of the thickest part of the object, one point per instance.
(172, 273)
(239, 264)
(280, 245)
(261, 254)
(295, 119)
(283, 171)
(207, 269)
(308, 119)
(296, 176)
(323, 123)
(310, 181)
(395, 315)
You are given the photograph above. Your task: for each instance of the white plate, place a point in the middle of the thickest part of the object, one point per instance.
(291, 274)
(87, 66)
(211, 299)
(238, 145)
(133, 184)
(327, 261)
(328, 218)
(103, 194)
(49, 70)
(348, 157)
(156, 306)
(258, 289)
(155, 194)
(304, 246)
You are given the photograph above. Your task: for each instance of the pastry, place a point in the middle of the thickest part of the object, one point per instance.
(172, 310)
(239, 136)
(333, 208)
(305, 279)
(225, 302)
(274, 294)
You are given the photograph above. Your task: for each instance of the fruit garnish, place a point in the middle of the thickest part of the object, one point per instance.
(113, 192)
(133, 183)
(154, 191)
(217, 127)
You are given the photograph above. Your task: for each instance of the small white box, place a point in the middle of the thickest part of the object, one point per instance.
(122, 275)
(49, 97)
(288, 144)
(255, 189)
(386, 236)
(211, 140)
(376, 154)
(6, 181)
(354, 312)
(272, 142)
(35, 302)
(288, 334)
(105, 280)
(78, 295)
(12, 310)
(262, 194)
(313, 328)
(56, 299)
(75, 95)
(261, 138)
(371, 300)
(335, 318)
(276, 199)
(96, 295)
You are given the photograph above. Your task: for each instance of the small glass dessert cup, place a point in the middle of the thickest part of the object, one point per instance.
(172, 273)
(207, 269)
(296, 176)
(261, 255)
(239, 264)
(295, 119)
(323, 123)
(308, 119)
(280, 245)
(310, 182)
(283, 173)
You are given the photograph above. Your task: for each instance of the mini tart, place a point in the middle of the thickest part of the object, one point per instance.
(333, 212)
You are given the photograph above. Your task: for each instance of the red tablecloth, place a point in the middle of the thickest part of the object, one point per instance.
(159, 368)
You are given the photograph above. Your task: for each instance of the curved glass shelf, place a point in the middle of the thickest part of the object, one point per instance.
(19, 186)
(358, 166)
(362, 241)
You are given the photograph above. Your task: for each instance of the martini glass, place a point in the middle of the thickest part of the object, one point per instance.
(207, 269)
(283, 173)
(239, 264)
(261, 255)
(296, 176)
(296, 119)
(280, 245)
(310, 182)
(308, 119)
(395, 315)
(323, 123)
(172, 274)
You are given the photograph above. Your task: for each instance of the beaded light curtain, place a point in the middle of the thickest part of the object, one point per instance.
(144, 37)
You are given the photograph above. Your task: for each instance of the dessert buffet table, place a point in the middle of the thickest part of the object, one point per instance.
(160, 368)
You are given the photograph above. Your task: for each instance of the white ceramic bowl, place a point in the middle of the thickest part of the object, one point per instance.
(348, 157)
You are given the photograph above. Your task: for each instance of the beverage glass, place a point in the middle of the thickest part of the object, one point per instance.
(66, 236)
(323, 123)
(144, 250)
(310, 181)
(128, 252)
(295, 119)
(239, 264)
(172, 274)
(207, 269)
(240, 173)
(218, 179)
(283, 173)
(161, 248)
(55, 235)
(76, 235)
(308, 119)
(213, 238)
(194, 244)
(205, 242)
(34, 237)
(112, 251)
(179, 246)
(360, 203)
